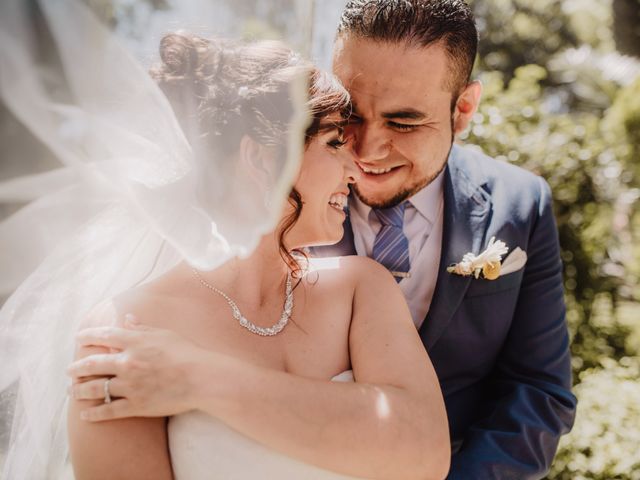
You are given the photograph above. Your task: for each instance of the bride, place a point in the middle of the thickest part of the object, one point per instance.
(169, 210)
(255, 344)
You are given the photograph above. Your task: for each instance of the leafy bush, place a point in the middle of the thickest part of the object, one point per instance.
(559, 101)
(603, 444)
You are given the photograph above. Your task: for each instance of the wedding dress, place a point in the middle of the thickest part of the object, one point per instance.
(120, 208)
(204, 448)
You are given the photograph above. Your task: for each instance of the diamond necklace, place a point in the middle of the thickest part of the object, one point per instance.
(244, 322)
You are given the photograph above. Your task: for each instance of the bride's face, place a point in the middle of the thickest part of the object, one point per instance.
(327, 169)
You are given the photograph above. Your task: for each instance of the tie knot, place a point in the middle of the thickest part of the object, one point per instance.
(392, 216)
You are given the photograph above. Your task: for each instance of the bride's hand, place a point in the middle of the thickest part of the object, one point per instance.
(150, 371)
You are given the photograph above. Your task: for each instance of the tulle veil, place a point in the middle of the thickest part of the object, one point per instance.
(119, 208)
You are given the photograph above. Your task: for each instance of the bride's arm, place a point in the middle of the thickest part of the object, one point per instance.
(390, 424)
(121, 449)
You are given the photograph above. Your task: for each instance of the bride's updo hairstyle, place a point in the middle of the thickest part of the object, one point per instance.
(222, 90)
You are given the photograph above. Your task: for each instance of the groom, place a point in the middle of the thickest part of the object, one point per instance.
(499, 345)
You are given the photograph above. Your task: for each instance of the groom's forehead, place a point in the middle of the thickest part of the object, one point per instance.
(384, 78)
(377, 69)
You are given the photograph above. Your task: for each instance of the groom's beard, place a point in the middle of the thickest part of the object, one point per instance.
(402, 195)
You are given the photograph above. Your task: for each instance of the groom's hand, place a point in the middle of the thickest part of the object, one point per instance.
(150, 372)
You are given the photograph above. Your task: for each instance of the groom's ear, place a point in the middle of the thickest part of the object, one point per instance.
(466, 106)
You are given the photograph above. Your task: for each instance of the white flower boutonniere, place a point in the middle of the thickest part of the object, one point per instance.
(487, 262)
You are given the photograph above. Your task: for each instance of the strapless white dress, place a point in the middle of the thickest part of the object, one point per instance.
(202, 447)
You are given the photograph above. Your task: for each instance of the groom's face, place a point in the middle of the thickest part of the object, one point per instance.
(403, 115)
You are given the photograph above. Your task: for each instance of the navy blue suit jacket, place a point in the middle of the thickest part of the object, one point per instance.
(500, 347)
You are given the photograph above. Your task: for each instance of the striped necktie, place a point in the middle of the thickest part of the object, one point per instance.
(391, 247)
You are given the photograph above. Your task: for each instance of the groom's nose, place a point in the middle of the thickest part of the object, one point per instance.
(352, 173)
(371, 144)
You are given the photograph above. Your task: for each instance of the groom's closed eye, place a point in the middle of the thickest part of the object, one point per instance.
(403, 126)
(404, 120)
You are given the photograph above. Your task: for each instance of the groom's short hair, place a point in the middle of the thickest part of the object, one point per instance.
(418, 22)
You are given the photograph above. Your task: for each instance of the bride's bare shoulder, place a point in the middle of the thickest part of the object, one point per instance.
(354, 269)
(149, 302)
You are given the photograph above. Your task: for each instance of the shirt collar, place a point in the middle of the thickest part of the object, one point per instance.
(427, 200)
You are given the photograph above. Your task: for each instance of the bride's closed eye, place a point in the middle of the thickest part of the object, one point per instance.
(338, 139)
(337, 142)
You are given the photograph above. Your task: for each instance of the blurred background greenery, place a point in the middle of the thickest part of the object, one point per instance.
(561, 98)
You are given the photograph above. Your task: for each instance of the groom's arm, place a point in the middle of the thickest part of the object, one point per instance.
(532, 402)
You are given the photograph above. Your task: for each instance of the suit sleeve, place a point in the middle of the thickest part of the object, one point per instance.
(532, 404)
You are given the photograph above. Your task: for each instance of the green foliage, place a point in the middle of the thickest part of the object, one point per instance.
(559, 101)
(603, 444)
(520, 32)
(592, 22)
(623, 122)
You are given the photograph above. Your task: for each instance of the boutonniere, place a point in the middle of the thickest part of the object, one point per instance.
(487, 262)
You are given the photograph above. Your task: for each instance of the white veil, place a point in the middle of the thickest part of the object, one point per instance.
(123, 205)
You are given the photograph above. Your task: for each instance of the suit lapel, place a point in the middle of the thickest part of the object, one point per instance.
(465, 219)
